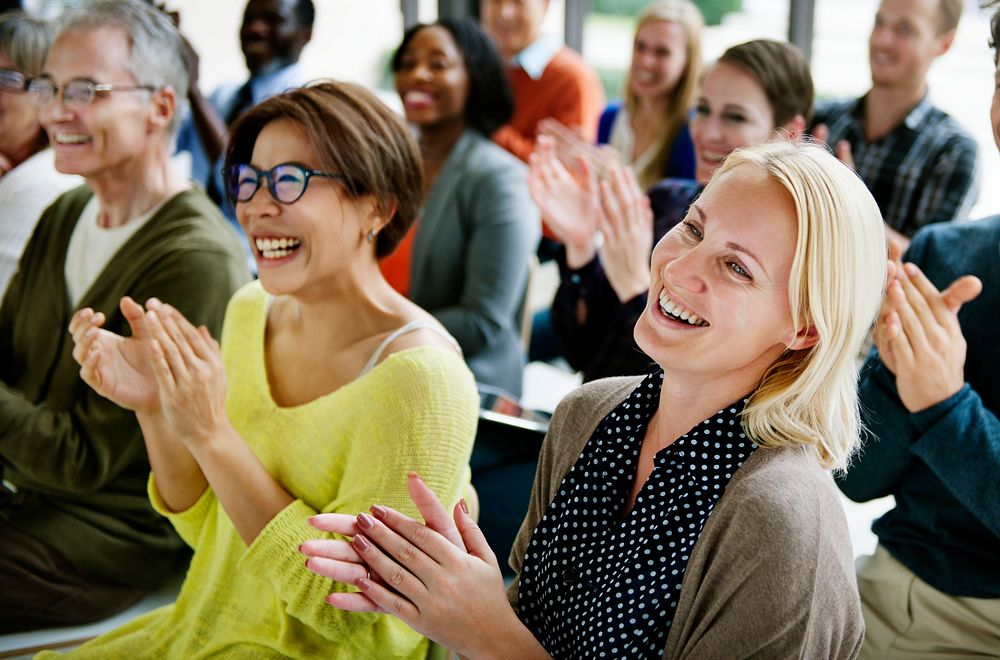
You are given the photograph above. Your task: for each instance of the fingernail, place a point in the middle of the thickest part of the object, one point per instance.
(300, 548)
(307, 562)
(465, 507)
(361, 543)
(910, 269)
(365, 521)
(379, 512)
(363, 584)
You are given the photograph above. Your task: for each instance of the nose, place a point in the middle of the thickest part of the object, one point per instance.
(507, 10)
(708, 128)
(685, 271)
(54, 110)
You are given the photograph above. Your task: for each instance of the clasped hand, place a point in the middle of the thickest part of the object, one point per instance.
(167, 367)
(440, 578)
(919, 338)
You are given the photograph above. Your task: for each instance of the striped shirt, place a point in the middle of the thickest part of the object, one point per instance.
(923, 171)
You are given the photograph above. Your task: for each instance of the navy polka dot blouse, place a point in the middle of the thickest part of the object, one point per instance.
(595, 584)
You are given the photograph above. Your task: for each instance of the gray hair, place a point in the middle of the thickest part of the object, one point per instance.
(25, 40)
(157, 54)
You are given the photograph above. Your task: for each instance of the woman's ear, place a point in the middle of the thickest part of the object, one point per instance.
(794, 127)
(381, 213)
(805, 338)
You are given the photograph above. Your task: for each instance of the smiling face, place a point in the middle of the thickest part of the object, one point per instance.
(659, 57)
(270, 33)
(111, 134)
(904, 42)
(732, 111)
(513, 24)
(310, 243)
(718, 303)
(432, 80)
(19, 127)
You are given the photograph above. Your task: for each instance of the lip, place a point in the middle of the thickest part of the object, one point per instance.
(415, 99)
(263, 262)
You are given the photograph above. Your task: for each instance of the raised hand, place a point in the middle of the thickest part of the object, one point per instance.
(452, 595)
(919, 337)
(187, 364)
(118, 368)
(569, 207)
(626, 223)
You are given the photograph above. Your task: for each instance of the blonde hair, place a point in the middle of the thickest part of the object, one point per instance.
(686, 15)
(809, 396)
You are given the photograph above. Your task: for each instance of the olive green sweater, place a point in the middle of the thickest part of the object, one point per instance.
(77, 460)
(772, 573)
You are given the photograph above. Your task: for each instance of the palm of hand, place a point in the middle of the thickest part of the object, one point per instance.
(124, 373)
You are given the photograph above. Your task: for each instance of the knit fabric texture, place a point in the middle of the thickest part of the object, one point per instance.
(341, 452)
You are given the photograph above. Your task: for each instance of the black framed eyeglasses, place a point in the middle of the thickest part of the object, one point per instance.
(286, 182)
(13, 81)
(77, 92)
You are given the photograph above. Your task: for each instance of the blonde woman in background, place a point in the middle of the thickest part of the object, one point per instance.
(648, 128)
(686, 513)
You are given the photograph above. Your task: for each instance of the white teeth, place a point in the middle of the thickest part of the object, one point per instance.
(275, 248)
(71, 138)
(644, 76)
(672, 309)
(417, 97)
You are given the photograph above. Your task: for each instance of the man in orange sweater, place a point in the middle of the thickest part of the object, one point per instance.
(548, 78)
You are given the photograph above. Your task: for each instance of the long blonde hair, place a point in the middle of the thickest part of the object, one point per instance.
(809, 396)
(686, 15)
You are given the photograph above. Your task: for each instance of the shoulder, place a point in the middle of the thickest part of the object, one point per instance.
(568, 65)
(581, 410)
(829, 110)
(426, 377)
(191, 222)
(954, 242)
(485, 158)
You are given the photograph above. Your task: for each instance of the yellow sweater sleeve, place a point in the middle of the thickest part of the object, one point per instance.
(423, 418)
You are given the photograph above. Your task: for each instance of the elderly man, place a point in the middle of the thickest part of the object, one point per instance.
(917, 161)
(931, 400)
(78, 537)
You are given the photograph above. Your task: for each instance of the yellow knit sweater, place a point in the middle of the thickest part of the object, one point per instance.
(341, 452)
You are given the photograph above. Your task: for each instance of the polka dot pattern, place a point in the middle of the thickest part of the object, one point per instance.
(595, 584)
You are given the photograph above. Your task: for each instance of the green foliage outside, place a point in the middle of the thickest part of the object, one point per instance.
(713, 10)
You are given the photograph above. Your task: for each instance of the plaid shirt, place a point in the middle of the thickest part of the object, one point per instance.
(923, 171)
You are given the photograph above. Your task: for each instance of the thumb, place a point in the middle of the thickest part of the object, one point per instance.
(965, 289)
(473, 536)
(134, 314)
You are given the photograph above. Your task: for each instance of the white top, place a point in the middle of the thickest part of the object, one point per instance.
(91, 247)
(623, 140)
(25, 192)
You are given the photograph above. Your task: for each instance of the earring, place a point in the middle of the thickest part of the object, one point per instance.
(370, 235)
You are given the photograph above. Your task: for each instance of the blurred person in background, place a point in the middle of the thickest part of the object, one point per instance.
(29, 180)
(920, 165)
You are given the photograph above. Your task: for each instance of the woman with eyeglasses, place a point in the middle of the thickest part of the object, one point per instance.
(328, 387)
(28, 178)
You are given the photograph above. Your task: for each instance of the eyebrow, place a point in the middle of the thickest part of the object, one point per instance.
(730, 244)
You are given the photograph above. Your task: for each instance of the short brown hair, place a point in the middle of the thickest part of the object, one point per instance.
(354, 134)
(783, 72)
(949, 13)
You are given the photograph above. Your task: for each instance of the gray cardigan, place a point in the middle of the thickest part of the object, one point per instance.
(772, 573)
(478, 231)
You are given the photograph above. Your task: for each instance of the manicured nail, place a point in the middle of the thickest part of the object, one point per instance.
(465, 507)
(379, 512)
(300, 548)
(365, 521)
(363, 584)
(910, 269)
(361, 543)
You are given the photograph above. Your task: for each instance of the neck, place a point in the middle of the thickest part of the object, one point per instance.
(341, 312)
(133, 188)
(436, 142)
(886, 107)
(649, 109)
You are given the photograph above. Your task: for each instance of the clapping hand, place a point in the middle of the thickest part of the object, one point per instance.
(919, 338)
(568, 203)
(626, 223)
(444, 583)
(118, 368)
(187, 365)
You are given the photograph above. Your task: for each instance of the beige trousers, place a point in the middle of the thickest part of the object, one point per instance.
(907, 619)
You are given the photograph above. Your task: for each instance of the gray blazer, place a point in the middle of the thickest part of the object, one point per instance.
(478, 230)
